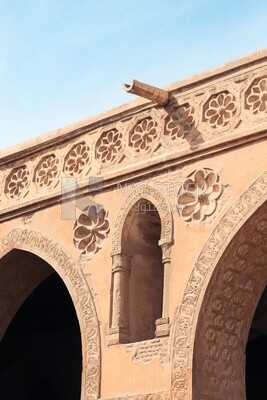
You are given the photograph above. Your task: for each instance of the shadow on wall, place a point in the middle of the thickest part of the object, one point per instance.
(256, 353)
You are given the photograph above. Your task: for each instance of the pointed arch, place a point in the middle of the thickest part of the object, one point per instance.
(185, 321)
(67, 268)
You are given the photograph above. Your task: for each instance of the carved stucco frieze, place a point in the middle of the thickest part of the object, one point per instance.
(186, 316)
(222, 108)
(75, 281)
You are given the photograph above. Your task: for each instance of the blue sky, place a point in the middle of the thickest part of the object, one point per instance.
(62, 61)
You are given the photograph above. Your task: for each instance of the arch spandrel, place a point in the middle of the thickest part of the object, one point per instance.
(70, 273)
(185, 322)
(153, 195)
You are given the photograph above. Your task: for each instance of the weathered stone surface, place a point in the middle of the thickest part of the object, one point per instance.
(181, 187)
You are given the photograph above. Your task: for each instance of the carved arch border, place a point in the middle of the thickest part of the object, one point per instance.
(150, 193)
(185, 320)
(69, 271)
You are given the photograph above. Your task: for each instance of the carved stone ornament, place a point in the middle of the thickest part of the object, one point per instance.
(256, 96)
(198, 195)
(109, 146)
(228, 306)
(187, 314)
(143, 136)
(17, 182)
(197, 115)
(76, 159)
(74, 280)
(46, 171)
(90, 230)
(219, 109)
(180, 122)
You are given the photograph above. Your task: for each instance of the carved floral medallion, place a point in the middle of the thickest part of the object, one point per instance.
(143, 136)
(76, 159)
(46, 171)
(256, 96)
(198, 195)
(17, 182)
(180, 122)
(219, 109)
(109, 146)
(91, 229)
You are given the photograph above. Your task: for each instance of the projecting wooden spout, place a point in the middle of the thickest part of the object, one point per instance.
(149, 92)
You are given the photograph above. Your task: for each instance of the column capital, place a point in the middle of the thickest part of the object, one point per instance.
(166, 252)
(121, 263)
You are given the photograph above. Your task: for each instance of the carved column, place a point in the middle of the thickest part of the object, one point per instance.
(119, 324)
(162, 324)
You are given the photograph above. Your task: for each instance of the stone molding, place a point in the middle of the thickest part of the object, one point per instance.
(197, 118)
(74, 280)
(185, 320)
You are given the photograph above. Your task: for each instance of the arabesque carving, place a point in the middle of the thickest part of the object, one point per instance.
(71, 274)
(227, 310)
(187, 314)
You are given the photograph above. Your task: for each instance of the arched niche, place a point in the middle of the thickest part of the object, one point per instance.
(70, 273)
(141, 244)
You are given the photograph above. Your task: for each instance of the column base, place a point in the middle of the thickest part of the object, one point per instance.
(162, 327)
(118, 335)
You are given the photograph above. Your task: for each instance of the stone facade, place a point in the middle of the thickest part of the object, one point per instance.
(181, 187)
